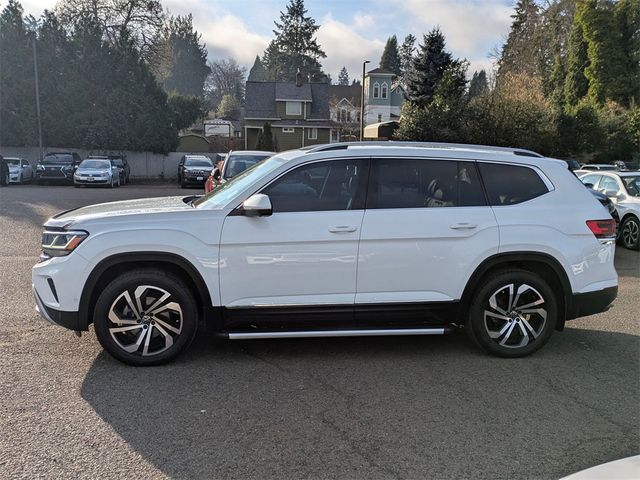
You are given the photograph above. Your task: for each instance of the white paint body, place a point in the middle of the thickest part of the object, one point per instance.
(341, 257)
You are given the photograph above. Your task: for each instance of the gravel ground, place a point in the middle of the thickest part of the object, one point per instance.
(411, 407)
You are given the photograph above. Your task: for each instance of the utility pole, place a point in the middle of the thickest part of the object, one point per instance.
(364, 64)
(32, 25)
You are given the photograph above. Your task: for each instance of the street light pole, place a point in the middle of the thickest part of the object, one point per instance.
(362, 101)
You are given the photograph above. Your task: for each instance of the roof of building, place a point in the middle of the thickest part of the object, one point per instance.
(260, 98)
(380, 71)
(351, 93)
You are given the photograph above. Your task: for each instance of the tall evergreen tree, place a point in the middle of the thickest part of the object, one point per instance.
(17, 95)
(189, 66)
(257, 72)
(390, 59)
(556, 83)
(406, 55)
(428, 67)
(626, 88)
(520, 53)
(295, 47)
(576, 84)
(343, 76)
(479, 84)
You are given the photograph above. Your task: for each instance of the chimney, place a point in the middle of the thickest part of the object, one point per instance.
(298, 79)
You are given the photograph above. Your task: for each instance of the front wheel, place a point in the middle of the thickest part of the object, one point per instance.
(513, 314)
(630, 233)
(145, 317)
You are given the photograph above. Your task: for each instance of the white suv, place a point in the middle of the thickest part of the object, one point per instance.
(339, 240)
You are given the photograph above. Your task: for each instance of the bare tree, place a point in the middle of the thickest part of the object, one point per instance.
(142, 20)
(226, 78)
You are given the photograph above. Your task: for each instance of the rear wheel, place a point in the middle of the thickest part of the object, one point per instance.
(630, 233)
(513, 314)
(145, 317)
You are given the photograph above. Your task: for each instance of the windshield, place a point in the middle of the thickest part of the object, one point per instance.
(224, 193)
(13, 161)
(632, 184)
(239, 163)
(198, 162)
(95, 164)
(57, 158)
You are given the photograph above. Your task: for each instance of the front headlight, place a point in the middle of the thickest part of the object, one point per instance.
(60, 244)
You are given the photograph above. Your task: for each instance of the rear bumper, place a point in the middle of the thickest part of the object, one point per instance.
(590, 303)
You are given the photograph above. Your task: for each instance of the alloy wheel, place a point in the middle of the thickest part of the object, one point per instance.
(145, 321)
(515, 316)
(630, 233)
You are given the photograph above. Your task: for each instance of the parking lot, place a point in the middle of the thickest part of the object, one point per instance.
(412, 407)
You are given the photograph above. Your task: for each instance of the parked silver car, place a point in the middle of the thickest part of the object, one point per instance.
(97, 171)
(20, 170)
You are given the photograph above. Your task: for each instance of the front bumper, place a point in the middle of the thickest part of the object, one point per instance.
(14, 177)
(91, 180)
(590, 303)
(60, 318)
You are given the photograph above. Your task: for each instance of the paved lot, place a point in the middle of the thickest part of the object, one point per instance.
(319, 408)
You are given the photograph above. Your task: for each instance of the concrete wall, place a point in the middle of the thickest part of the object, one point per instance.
(144, 165)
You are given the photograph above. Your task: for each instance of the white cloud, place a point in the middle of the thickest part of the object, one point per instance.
(471, 28)
(363, 20)
(36, 7)
(345, 47)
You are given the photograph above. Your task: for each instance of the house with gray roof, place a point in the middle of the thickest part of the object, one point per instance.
(297, 111)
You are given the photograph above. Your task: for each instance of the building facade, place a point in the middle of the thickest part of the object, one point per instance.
(383, 97)
(298, 113)
(344, 109)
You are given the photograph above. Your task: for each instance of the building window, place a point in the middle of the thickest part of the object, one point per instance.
(343, 115)
(312, 133)
(288, 130)
(293, 108)
(384, 90)
(348, 115)
(379, 117)
(376, 90)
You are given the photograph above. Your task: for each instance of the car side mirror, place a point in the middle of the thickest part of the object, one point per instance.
(611, 193)
(257, 205)
(216, 174)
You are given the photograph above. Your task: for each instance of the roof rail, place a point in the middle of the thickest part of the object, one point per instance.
(488, 148)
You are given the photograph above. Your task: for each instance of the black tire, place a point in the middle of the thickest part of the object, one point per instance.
(113, 301)
(482, 317)
(630, 233)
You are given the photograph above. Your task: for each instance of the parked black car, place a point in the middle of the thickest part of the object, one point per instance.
(194, 170)
(57, 167)
(609, 205)
(4, 173)
(120, 161)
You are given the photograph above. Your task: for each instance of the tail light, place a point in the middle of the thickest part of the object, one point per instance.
(602, 228)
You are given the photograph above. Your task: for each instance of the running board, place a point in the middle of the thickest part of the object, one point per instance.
(335, 333)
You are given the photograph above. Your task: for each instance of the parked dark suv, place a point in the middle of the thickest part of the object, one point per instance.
(57, 167)
(194, 170)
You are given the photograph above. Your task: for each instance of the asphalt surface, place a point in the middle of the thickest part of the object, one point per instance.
(413, 407)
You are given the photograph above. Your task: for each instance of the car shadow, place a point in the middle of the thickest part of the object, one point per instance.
(410, 407)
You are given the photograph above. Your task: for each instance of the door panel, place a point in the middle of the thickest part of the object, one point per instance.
(305, 252)
(426, 246)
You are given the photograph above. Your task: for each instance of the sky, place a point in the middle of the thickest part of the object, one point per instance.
(351, 31)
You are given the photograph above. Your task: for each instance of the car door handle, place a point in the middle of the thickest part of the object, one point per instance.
(342, 229)
(463, 226)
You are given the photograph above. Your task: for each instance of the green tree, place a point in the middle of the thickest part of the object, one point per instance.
(479, 84)
(343, 76)
(187, 109)
(229, 107)
(520, 53)
(189, 68)
(626, 88)
(576, 84)
(428, 68)
(265, 140)
(17, 94)
(406, 55)
(295, 47)
(226, 78)
(257, 73)
(390, 59)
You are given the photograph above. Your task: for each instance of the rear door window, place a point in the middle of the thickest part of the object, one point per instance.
(511, 184)
(424, 183)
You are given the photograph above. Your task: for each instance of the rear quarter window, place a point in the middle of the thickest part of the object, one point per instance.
(511, 184)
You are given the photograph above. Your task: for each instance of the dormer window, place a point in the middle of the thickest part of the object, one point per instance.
(376, 90)
(293, 108)
(384, 90)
